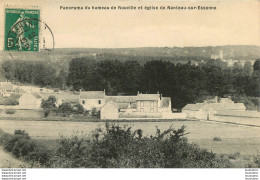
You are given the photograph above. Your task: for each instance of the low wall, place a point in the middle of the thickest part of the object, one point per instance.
(170, 115)
(140, 115)
(246, 117)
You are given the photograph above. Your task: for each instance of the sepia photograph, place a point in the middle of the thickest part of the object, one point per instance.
(129, 84)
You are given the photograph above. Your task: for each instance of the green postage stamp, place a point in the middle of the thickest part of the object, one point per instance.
(22, 29)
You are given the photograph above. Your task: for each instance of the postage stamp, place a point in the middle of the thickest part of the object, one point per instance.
(22, 29)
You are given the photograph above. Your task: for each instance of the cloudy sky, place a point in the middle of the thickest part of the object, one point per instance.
(232, 23)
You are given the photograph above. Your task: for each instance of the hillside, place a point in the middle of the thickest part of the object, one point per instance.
(61, 57)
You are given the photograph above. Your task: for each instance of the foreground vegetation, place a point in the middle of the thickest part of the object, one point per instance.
(118, 147)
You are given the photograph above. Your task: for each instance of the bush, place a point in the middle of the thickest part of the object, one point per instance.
(217, 139)
(117, 147)
(10, 101)
(22, 146)
(78, 109)
(66, 109)
(46, 113)
(48, 105)
(257, 160)
(10, 111)
(234, 155)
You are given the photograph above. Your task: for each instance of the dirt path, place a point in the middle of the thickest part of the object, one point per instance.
(8, 161)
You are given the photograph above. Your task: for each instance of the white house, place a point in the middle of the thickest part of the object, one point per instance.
(194, 110)
(92, 99)
(208, 109)
(109, 111)
(31, 100)
(125, 103)
(149, 103)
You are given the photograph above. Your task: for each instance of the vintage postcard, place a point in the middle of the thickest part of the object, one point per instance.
(130, 84)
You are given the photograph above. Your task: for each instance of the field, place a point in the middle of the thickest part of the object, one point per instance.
(234, 139)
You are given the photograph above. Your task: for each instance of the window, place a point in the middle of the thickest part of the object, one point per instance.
(152, 104)
(99, 101)
(151, 110)
(142, 109)
(141, 103)
(83, 101)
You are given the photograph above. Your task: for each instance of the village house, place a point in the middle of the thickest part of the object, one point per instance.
(6, 89)
(209, 108)
(148, 103)
(126, 104)
(194, 110)
(92, 99)
(109, 111)
(139, 106)
(62, 97)
(30, 100)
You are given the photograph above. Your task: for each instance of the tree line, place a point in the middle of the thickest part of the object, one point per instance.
(33, 72)
(184, 83)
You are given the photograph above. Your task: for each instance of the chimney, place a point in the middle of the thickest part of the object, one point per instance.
(157, 92)
(137, 92)
(104, 91)
(216, 99)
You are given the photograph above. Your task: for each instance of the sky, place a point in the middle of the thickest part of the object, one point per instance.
(232, 23)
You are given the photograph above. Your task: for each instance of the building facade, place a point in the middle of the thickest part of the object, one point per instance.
(31, 100)
(148, 103)
(109, 111)
(92, 99)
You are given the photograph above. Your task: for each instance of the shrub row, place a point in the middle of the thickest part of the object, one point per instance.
(22, 146)
(116, 147)
(120, 147)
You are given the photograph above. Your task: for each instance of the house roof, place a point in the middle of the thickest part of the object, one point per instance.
(165, 102)
(92, 95)
(36, 95)
(227, 106)
(121, 99)
(63, 96)
(111, 103)
(147, 97)
(194, 107)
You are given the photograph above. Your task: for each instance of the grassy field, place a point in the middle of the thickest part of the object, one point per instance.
(8, 161)
(234, 139)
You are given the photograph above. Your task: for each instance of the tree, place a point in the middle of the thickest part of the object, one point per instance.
(78, 109)
(61, 79)
(66, 109)
(48, 105)
(52, 100)
(9, 69)
(257, 65)
(248, 68)
(237, 67)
